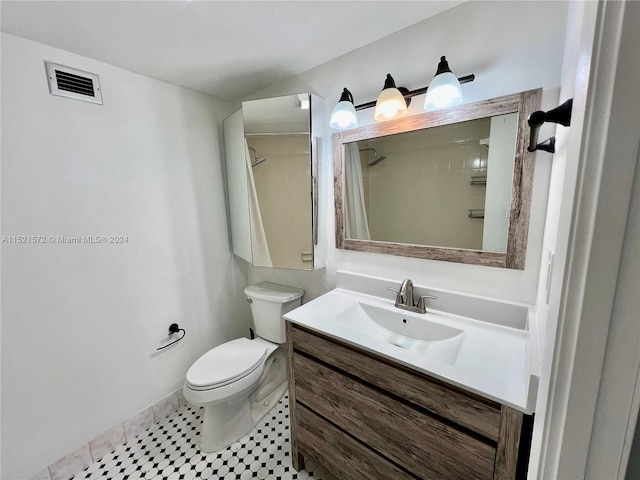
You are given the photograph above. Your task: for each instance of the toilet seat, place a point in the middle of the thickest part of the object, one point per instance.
(226, 364)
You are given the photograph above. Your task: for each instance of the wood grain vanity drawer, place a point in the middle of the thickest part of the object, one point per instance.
(466, 409)
(341, 454)
(420, 443)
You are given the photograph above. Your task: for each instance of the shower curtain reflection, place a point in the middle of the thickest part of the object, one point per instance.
(356, 226)
(259, 245)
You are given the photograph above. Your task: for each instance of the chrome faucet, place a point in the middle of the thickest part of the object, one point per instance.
(405, 300)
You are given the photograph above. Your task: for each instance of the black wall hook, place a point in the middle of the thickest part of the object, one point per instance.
(560, 115)
(549, 145)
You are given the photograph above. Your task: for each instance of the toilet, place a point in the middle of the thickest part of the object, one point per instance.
(240, 381)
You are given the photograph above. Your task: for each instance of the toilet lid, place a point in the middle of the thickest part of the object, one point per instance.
(272, 292)
(226, 363)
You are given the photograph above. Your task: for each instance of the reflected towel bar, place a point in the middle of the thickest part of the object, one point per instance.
(478, 180)
(476, 213)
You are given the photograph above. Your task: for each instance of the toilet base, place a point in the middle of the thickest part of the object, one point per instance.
(225, 423)
(231, 411)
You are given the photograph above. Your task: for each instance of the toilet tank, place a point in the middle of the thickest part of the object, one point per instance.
(269, 302)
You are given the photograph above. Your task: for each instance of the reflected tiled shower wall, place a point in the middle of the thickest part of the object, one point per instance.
(283, 182)
(423, 188)
(75, 462)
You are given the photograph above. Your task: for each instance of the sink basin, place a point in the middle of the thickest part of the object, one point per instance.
(409, 325)
(405, 330)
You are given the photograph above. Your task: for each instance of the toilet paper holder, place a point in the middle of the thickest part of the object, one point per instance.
(174, 328)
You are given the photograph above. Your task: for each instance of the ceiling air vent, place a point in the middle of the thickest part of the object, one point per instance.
(73, 83)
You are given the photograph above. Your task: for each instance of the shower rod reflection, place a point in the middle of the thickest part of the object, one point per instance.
(274, 134)
(376, 158)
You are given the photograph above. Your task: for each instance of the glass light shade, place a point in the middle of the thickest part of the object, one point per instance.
(391, 104)
(344, 116)
(444, 91)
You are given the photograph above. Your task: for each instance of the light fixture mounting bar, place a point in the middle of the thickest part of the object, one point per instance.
(419, 91)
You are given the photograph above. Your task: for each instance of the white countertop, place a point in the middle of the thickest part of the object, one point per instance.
(493, 360)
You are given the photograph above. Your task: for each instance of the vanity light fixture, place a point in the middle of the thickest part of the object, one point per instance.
(391, 102)
(344, 114)
(444, 90)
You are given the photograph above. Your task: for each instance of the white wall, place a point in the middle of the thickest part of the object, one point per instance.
(592, 362)
(575, 73)
(616, 415)
(81, 322)
(511, 47)
(495, 231)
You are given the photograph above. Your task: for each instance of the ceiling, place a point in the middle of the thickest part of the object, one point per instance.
(228, 49)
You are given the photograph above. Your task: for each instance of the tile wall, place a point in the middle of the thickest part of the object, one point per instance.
(283, 183)
(421, 193)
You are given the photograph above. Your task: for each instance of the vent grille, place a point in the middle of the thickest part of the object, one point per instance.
(73, 83)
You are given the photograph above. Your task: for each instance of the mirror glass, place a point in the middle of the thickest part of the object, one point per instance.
(447, 186)
(453, 185)
(279, 181)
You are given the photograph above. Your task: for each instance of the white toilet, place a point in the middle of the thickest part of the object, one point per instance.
(240, 381)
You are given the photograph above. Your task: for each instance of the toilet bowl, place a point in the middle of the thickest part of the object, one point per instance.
(240, 381)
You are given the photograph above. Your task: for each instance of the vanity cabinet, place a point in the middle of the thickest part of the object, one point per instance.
(360, 416)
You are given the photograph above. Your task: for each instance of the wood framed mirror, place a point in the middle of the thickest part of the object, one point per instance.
(453, 185)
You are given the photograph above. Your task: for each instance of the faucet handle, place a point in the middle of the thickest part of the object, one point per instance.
(421, 303)
(395, 290)
(398, 295)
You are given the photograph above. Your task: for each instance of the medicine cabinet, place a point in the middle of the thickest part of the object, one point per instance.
(271, 156)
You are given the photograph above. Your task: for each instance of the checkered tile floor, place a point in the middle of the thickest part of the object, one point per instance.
(169, 450)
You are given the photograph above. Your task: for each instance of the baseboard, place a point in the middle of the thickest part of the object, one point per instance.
(75, 462)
